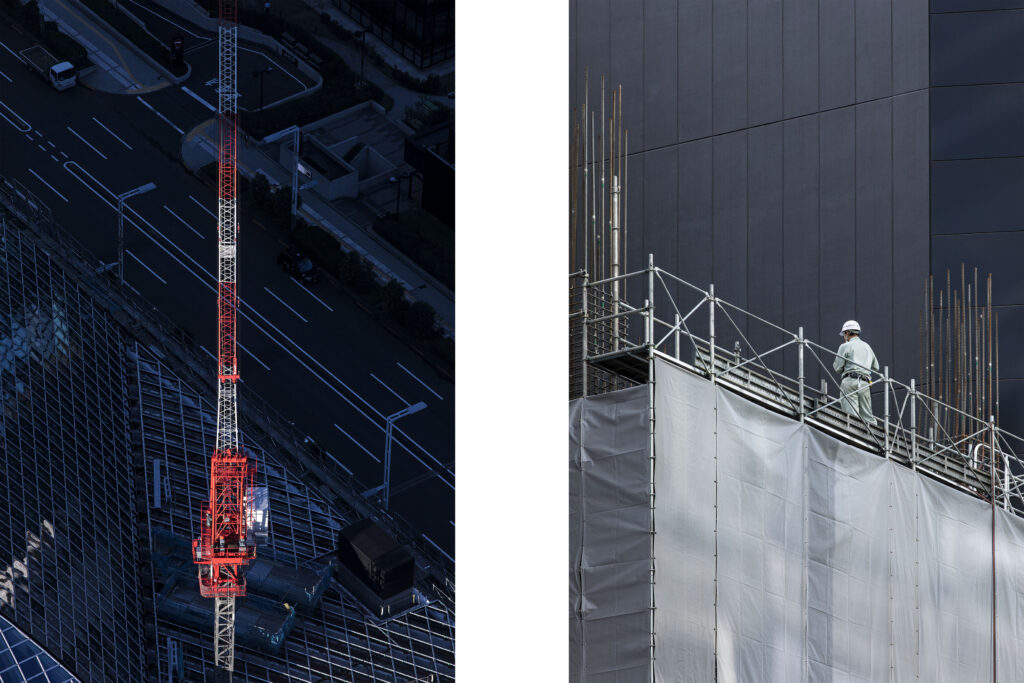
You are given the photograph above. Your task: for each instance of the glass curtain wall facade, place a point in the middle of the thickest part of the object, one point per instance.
(69, 554)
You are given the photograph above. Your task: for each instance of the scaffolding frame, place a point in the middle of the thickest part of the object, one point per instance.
(613, 344)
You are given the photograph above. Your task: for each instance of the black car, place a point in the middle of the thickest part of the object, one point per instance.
(298, 265)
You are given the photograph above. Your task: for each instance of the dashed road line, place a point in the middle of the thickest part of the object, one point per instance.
(16, 55)
(20, 124)
(265, 289)
(357, 443)
(100, 124)
(198, 99)
(389, 388)
(164, 118)
(311, 294)
(199, 234)
(87, 143)
(47, 184)
(151, 271)
(9, 80)
(409, 372)
(200, 205)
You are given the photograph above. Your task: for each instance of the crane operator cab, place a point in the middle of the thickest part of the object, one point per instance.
(63, 75)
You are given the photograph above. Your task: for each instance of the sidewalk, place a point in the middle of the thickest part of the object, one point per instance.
(199, 148)
(119, 68)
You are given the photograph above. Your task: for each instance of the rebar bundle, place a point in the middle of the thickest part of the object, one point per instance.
(959, 351)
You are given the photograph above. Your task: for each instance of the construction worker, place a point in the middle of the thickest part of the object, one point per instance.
(854, 362)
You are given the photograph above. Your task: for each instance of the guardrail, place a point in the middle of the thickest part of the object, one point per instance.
(613, 344)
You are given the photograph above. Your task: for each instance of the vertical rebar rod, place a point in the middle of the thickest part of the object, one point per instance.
(885, 403)
(615, 261)
(913, 425)
(800, 369)
(992, 479)
(583, 334)
(586, 174)
(711, 327)
(625, 212)
(679, 322)
(599, 263)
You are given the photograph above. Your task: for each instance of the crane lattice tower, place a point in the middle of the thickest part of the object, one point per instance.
(223, 550)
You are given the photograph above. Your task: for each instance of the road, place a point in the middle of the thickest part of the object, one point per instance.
(309, 351)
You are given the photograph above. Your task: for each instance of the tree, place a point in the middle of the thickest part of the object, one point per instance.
(422, 320)
(260, 188)
(394, 299)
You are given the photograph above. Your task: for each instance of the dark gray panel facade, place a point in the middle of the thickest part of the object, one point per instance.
(790, 153)
(873, 41)
(837, 75)
(977, 164)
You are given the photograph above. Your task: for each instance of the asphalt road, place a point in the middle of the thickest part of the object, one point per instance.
(310, 352)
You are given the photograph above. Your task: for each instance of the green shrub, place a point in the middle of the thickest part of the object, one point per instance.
(422, 320)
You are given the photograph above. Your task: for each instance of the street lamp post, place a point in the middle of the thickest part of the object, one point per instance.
(121, 198)
(362, 49)
(414, 408)
(261, 73)
(397, 182)
(294, 132)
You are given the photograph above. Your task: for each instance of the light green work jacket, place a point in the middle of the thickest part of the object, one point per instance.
(855, 356)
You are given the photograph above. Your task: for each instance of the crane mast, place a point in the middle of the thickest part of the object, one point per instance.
(224, 546)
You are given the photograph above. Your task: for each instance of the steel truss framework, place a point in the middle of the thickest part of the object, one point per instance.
(222, 550)
(337, 640)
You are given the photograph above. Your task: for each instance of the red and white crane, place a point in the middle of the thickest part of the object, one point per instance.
(225, 545)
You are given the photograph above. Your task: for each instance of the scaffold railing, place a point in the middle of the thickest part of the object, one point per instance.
(613, 345)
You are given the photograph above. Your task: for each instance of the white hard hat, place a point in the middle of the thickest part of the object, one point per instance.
(850, 326)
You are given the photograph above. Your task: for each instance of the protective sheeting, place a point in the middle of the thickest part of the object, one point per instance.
(780, 553)
(609, 538)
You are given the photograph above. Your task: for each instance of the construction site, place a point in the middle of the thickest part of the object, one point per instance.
(107, 417)
(731, 521)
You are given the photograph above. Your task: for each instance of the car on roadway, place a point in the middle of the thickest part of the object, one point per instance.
(298, 265)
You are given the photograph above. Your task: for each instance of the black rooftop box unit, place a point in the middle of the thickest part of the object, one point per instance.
(376, 558)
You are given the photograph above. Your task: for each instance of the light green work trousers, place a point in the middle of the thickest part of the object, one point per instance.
(856, 398)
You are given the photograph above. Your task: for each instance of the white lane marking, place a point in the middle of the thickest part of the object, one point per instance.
(165, 119)
(151, 271)
(202, 207)
(438, 547)
(389, 388)
(451, 522)
(21, 125)
(409, 372)
(199, 234)
(64, 155)
(207, 351)
(198, 99)
(50, 143)
(47, 184)
(38, 133)
(311, 293)
(254, 356)
(54, 157)
(357, 443)
(129, 286)
(6, 76)
(43, 149)
(29, 136)
(285, 305)
(100, 124)
(88, 144)
(207, 283)
(16, 55)
(339, 463)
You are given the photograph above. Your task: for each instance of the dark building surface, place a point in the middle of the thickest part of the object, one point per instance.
(977, 169)
(69, 549)
(422, 31)
(432, 153)
(816, 159)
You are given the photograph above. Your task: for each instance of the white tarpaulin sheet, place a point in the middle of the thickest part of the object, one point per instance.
(780, 553)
